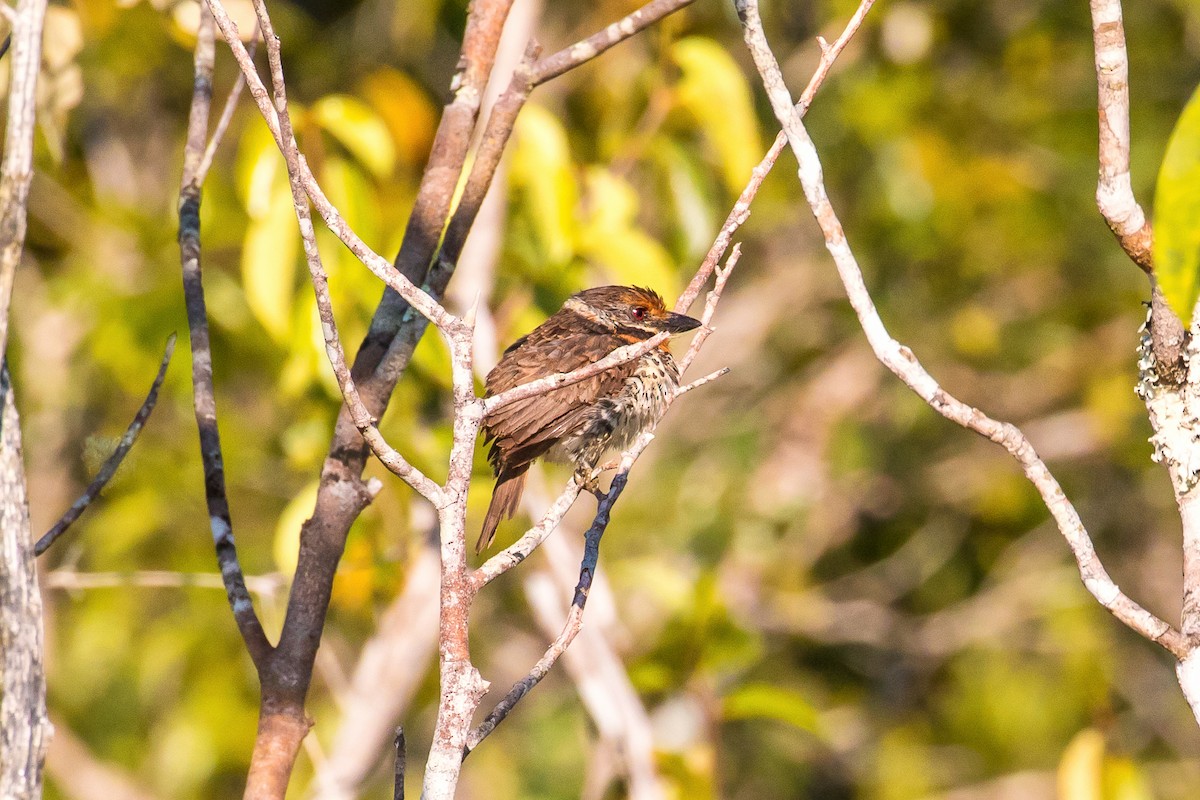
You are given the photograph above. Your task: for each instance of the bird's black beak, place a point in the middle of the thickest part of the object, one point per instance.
(679, 323)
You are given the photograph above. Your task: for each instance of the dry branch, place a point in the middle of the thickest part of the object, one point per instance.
(1114, 190)
(901, 361)
(24, 726)
(203, 390)
(113, 462)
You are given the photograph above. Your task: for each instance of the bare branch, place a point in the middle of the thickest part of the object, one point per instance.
(203, 390)
(741, 209)
(696, 384)
(113, 462)
(24, 726)
(587, 569)
(387, 454)
(218, 134)
(520, 550)
(1114, 190)
(622, 355)
(901, 361)
(583, 51)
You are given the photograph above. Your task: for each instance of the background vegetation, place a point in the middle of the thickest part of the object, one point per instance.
(821, 589)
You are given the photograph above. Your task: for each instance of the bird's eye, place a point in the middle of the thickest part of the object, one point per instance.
(639, 313)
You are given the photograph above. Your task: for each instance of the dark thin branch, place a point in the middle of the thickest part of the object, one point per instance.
(113, 462)
(203, 391)
(587, 571)
(401, 764)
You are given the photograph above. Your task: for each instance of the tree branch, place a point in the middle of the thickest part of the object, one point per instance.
(587, 570)
(24, 726)
(1114, 190)
(203, 390)
(363, 420)
(113, 462)
(901, 361)
(622, 355)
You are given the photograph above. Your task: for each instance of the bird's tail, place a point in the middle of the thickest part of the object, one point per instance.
(506, 497)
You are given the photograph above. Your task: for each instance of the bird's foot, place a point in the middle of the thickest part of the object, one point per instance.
(589, 481)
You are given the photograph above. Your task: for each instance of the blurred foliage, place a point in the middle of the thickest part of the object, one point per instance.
(823, 589)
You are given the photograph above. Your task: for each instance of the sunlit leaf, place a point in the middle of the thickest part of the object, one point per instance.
(287, 528)
(406, 109)
(1124, 781)
(542, 176)
(1177, 214)
(360, 130)
(713, 89)
(1080, 772)
(610, 236)
(269, 264)
(767, 701)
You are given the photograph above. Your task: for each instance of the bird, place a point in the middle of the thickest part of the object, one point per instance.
(581, 422)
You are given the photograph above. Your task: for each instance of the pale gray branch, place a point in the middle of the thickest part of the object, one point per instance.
(901, 361)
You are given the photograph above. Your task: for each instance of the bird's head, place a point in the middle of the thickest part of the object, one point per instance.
(630, 310)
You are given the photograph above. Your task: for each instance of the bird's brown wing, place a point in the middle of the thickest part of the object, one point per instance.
(526, 429)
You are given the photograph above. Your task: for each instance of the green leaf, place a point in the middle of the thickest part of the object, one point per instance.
(714, 90)
(1080, 771)
(611, 237)
(542, 175)
(269, 263)
(360, 130)
(766, 701)
(1177, 214)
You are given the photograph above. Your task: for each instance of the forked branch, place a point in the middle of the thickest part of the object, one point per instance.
(901, 361)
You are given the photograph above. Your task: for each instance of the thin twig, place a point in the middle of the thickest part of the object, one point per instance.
(218, 134)
(109, 468)
(901, 361)
(203, 390)
(622, 355)
(741, 209)
(520, 550)
(387, 454)
(72, 580)
(696, 384)
(1114, 189)
(710, 308)
(587, 570)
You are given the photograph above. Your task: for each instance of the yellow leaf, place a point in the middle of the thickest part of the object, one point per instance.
(359, 129)
(542, 176)
(287, 528)
(611, 238)
(269, 264)
(406, 110)
(1081, 770)
(714, 90)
